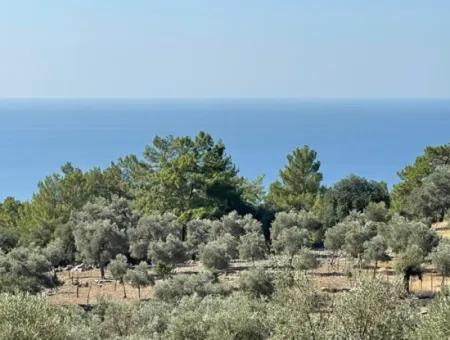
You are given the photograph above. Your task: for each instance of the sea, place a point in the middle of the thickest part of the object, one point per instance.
(373, 138)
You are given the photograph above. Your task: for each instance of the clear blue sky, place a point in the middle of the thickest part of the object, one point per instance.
(228, 48)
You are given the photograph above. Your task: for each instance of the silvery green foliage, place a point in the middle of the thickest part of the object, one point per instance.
(214, 256)
(432, 198)
(118, 267)
(235, 225)
(99, 241)
(100, 230)
(140, 276)
(374, 310)
(289, 241)
(116, 320)
(24, 269)
(197, 235)
(252, 247)
(401, 233)
(257, 282)
(235, 317)
(303, 220)
(409, 263)
(375, 250)
(356, 234)
(440, 257)
(203, 284)
(169, 252)
(149, 229)
(351, 234)
(55, 252)
(335, 236)
(25, 317)
(231, 245)
(377, 212)
(298, 310)
(435, 324)
(116, 210)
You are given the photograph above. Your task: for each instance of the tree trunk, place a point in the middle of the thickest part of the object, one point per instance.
(139, 292)
(375, 269)
(102, 272)
(124, 291)
(406, 282)
(443, 281)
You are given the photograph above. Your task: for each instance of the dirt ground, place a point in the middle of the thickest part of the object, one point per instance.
(328, 278)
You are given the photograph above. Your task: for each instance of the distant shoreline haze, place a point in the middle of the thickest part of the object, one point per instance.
(372, 138)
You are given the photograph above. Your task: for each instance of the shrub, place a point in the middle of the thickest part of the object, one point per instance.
(200, 285)
(256, 282)
(236, 317)
(435, 325)
(373, 310)
(306, 260)
(26, 317)
(26, 270)
(131, 320)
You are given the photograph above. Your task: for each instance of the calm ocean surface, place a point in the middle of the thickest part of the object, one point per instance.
(371, 138)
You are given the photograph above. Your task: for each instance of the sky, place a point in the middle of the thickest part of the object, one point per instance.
(221, 49)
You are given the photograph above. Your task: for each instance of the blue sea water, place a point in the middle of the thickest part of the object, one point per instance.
(371, 138)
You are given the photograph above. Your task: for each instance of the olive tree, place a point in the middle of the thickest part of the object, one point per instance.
(252, 247)
(151, 228)
(197, 235)
(140, 276)
(335, 237)
(290, 241)
(118, 269)
(375, 250)
(169, 252)
(100, 241)
(432, 198)
(235, 225)
(409, 263)
(401, 233)
(302, 219)
(214, 256)
(100, 230)
(55, 254)
(440, 257)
